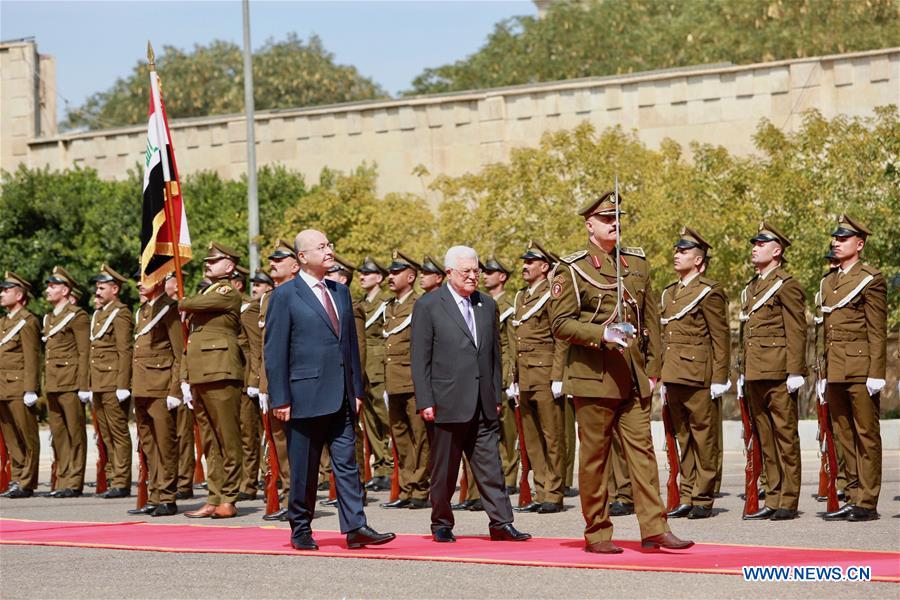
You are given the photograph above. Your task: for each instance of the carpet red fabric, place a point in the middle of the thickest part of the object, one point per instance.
(538, 552)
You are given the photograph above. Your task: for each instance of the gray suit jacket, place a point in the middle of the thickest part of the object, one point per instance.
(450, 372)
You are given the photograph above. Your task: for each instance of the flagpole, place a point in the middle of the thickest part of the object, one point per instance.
(252, 198)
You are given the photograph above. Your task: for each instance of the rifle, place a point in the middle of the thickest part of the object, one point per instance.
(673, 494)
(524, 489)
(102, 456)
(367, 451)
(829, 468)
(53, 465)
(199, 476)
(5, 466)
(271, 460)
(754, 458)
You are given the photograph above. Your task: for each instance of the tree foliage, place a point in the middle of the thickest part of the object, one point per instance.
(594, 38)
(210, 81)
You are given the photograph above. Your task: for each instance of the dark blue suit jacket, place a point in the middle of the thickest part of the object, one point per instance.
(310, 366)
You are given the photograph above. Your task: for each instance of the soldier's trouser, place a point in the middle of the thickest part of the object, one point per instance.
(854, 415)
(217, 409)
(720, 453)
(619, 478)
(411, 439)
(65, 413)
(184, 434)
(250, 444)
(569, 427)
(472, 492)
(112, 420)
(156, 432)
(284, 466)
(774, 413)
(375, 417)
(693, 417)
(597, 419)
(543, 421)
(20, 432)
(509, 437)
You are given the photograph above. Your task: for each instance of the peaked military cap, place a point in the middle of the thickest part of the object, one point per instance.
(370, 265)
(215, 251)
(240, 273)
(768, 233)
(492, 264)
(604, 204)
(262, 277)
(534, 251)
(691, 239)
(108, 275)
(341, 264)
(848, 227)
(400, 261)
(282, 250)
(60, 275)
(11, 280)
(77, 293)
(430, 265)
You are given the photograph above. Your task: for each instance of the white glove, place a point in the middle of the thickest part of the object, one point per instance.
(740, 386)
(385, 396)
(652, 381)
(85, 397)
(188, 398)
(718, 389)
(122, 395)
(253, 392)
(874, 385)
(513, 390)
(30, 399)
(172, 402)
(820, 389)
(662, 392)
(556, 388)
(264, 402)
(614, 335)
(794, 383)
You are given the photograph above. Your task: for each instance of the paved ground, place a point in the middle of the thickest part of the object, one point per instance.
(44, 572)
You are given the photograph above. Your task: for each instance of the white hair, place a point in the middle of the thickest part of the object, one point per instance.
(454, 254)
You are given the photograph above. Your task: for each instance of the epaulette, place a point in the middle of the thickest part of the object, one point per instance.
(673, 284)
(633, 251)
(574, 256)
(866, 267)
(707, 281)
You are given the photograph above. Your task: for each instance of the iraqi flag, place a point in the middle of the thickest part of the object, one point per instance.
(163, 217)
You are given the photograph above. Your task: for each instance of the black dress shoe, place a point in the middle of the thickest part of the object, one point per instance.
(476, 506)
(12, 487)
(464, 505)
(165, 509)
(760, 515)
(117, 493)
(276, 516)
(366, 536)
(304, 541)
(700, 512)
(246, 497)
(18, 492)
(379, 484)
(66, 493)
(146, 510)
(416, 504)
(184, 495)
(863, 514)
(443, 535)
(398, 503)
(508, 533)
(328, 502)
(841, 514)
(680, 511)
(621, 509)
(511, 490)
(784, 514)
(570, 492)
(550, 507)
(533, 507)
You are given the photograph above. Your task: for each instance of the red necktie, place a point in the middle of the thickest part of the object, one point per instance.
(329, 307)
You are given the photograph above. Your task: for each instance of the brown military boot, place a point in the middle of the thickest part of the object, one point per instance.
(604, 547)
(201, 513)
(666, 540)
(224, 511)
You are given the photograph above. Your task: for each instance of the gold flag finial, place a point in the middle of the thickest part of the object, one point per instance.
(151, 58)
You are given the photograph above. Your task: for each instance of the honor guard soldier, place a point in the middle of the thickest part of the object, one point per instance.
(854, 306)
(155, 374)
(283, 267)
(66, 337)
(249, 340)
(773, 366)
(432, 275)
(20, 349)
(213, 376)
(111, 331)
(374, 414)
(696, 353)
(610, 375)
(537, 378)
(407, 426)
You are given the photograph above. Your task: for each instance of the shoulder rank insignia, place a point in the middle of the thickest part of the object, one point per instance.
(633, 251)
(223, 289)
(556, 287)
(574, 256)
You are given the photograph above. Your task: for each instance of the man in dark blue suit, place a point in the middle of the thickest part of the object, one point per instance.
(456, 372)
(315, 387)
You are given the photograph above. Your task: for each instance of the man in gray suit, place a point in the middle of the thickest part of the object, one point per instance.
(457, 376)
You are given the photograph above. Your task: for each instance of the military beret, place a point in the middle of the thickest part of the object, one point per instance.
(11, 280)
(691, 239)
(108, 275)
(768, 233)
(262, 277)
(534, 251)
(430, 265)
(492, 264)
(283, 250)
(848, 227)
(215, 251)
(604, 204)
(400, 261)
(341, 264)
(60, 275)
(370, 265)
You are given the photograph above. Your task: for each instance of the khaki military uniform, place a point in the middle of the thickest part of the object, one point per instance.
(696, 352)
(215, 371)
(111, 339)
(407, 427)
(509, 455)
(855, 321)
(611, 386)
(375, 413)
(251, 348)
(277, 426)
(66, 337)
(156, 366)
(773, 316)
(19, 373)
(539, 359)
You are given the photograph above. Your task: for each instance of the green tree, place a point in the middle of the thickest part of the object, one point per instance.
(210, 81)
(595, 38)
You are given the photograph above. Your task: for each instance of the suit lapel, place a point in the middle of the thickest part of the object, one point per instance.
(450, 307)
(339, 307)
(309, 296)
(482, 319)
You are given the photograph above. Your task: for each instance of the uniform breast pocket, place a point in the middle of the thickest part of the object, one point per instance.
(857, 359)
(771, 353)
(686, 362)
(215, 358)
(66, 373)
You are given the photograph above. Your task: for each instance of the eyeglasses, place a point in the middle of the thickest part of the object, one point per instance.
(468, 272)
(321, 248)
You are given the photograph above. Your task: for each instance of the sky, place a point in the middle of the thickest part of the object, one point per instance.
(94, 43)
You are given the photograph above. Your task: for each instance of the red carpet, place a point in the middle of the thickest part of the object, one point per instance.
(543, 552)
